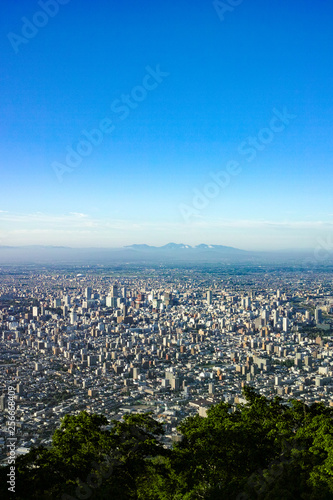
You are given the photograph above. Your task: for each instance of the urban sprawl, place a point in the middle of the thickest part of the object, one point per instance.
(170, 341)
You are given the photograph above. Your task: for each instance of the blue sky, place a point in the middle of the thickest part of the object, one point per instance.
(154, 98)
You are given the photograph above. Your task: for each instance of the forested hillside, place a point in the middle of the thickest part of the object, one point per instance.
(265, 450)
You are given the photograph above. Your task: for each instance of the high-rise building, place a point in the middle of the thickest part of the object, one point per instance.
(209, 297)
(167, 298)
(3, 402)
(275, 317)
(308, 360)
(87, 293)
(67, 300)
(175, 383)
(73, 317)
(264, 316)
(111, 301)
(318, 315)
(92, 360)
(211, 388)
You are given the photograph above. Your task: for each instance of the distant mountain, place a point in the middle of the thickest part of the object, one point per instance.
(171, 253)
(175, 246)
(182, 246)
(139, 247)
(203, 246)
(168, 246)
(220, 248)
(180, 252)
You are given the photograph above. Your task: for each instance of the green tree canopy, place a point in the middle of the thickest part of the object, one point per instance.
(263, 449)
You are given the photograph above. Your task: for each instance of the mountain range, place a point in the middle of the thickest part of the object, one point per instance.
(146, 254)
(181, 246)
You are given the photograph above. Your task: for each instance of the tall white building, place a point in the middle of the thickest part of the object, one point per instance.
(73, 317)
(275, 317)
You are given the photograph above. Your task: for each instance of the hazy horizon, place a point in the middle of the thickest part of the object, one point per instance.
(141, 245)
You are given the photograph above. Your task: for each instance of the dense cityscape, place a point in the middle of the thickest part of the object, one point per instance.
(173, 341)
(166, 250)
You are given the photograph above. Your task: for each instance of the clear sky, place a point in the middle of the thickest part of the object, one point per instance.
(158, 121)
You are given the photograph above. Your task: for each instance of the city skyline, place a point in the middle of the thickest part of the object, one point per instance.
(193, 123)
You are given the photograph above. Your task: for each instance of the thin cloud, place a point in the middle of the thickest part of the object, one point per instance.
(264, 223)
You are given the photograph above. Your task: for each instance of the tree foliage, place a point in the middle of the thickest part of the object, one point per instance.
(263, 449)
